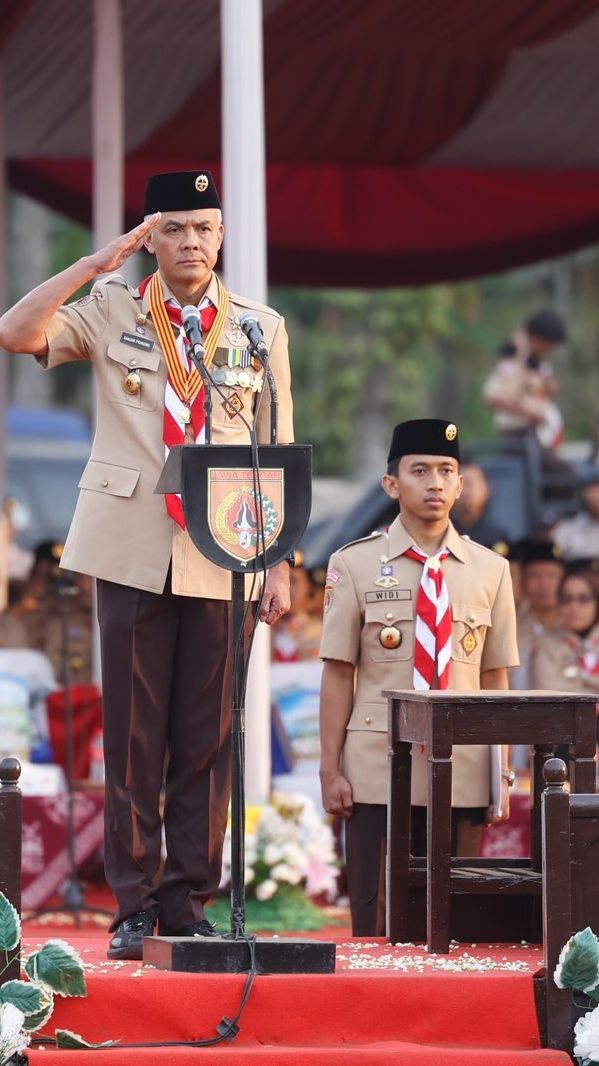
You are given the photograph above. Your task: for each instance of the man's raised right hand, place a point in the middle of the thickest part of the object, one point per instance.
(113, 255)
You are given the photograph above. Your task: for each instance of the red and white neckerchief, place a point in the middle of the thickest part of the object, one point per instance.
(432, 637)
(178, 416)
(183, 397)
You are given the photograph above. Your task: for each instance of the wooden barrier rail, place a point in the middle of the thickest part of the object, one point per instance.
(11, 821)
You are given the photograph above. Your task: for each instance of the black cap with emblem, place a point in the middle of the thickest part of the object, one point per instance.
(534, 550)
(181, 190)
(424, 436)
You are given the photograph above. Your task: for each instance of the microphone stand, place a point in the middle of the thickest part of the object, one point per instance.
(197, 354)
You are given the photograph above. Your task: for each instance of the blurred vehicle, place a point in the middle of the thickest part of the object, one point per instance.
(47, 450)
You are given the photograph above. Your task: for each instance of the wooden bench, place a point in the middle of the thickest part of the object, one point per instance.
(11, 819)
(438, 720)
(570, 833)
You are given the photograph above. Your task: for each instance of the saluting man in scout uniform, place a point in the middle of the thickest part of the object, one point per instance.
(163, 608)
(419, 607)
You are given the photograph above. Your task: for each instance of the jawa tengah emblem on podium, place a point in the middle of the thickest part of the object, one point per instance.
(246, 508)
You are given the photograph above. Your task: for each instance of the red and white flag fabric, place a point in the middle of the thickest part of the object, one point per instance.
(432, 637)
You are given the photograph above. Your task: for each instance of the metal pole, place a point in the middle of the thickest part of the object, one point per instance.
(244, 197)
(108, 149)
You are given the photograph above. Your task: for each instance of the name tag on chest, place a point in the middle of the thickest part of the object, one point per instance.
(388, 594)
(137, 342)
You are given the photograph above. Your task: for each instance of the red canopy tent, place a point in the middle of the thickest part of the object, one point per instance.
(406, 143)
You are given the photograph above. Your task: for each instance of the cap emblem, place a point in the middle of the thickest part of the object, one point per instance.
(451, 432)
(201, 183)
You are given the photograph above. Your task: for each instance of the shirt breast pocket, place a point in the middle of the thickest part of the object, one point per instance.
(132, 376)
(389, 631)
(470, 624)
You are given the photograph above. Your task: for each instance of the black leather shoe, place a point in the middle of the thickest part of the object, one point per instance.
(127, 942)
(203, 928)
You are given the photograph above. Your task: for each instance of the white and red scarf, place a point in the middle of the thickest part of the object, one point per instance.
(432, 638)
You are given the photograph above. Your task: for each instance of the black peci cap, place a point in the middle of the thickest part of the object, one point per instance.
(424, 436)
(533, 550)
(181, 190)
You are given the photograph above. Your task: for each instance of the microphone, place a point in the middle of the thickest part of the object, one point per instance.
(192, 324)
(253, 331)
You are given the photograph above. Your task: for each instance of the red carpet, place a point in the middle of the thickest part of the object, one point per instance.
(384, 1004)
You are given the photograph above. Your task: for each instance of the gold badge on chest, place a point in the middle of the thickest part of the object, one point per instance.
(132, 383)
(390, 637)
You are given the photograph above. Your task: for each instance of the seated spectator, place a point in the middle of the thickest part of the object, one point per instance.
(578, 537)
(568, 658)
(538, 613)
(521, 389)
(469, 515)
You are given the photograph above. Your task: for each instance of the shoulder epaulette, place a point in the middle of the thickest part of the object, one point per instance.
(253, 304)
(361, 540)
(113, 279)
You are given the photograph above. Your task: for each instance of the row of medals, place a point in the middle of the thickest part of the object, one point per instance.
(220, 375)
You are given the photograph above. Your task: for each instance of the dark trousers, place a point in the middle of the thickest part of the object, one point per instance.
(366, 852)
(166, 695)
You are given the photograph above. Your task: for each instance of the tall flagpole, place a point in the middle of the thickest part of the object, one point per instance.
(244, 199)
(108, 148)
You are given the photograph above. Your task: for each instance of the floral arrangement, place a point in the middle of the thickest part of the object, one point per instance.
(26, 1006)
(289, 850)
(578, 969)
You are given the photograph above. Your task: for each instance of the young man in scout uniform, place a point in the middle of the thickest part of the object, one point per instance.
(420, 607)
(163, 608)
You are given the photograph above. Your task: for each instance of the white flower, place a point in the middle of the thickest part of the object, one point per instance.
(12, 1038)
(283, 872)
(249, 875)
(266, 890)
(272, 853)
(586, 1037)
(294, 855)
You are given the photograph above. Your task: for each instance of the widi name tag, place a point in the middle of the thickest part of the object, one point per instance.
(136, 341)
(388, 594)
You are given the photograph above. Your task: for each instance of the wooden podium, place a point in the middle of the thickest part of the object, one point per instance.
(437, 720)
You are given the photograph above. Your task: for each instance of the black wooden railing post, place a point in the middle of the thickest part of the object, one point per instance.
(11, 819)
(557, 899)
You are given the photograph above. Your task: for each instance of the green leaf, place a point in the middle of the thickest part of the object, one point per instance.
(33, 1022)
(10, 925)
(23, 995)
(58, 968)
(578, 965)
(67, 1041)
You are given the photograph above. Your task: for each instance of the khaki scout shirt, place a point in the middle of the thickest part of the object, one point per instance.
(561, 661)
(121, 531)
(359, 606)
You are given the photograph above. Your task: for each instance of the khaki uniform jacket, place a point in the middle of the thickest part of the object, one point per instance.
(357, 608)
(121, 531)
(558, 662)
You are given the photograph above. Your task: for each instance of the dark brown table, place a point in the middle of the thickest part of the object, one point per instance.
(439, 719)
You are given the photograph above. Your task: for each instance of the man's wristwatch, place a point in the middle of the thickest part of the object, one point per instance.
(509, 776)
